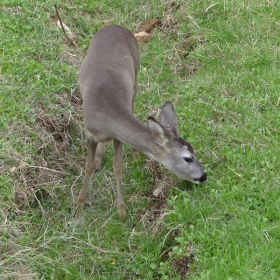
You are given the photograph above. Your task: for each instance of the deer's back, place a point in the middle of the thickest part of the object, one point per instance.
(107, 77)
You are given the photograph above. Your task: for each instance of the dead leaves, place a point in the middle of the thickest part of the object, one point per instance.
(145, 30)
(142, 36)
(167, 23)
(68, 33)
(149, 25)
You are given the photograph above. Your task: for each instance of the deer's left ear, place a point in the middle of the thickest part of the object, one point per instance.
(168, 117)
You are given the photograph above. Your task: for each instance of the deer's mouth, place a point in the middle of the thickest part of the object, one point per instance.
(202, 179)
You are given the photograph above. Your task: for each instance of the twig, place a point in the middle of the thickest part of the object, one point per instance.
(40, 205)
(240, 176)
(64, 31)
(40, 167)
(62, 26)
(209, 8)
(278, 102)
(48, 169)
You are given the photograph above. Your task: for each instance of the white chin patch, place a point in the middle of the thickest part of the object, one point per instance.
(196, 182)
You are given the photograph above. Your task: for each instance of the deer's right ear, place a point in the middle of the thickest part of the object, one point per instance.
(157, 131)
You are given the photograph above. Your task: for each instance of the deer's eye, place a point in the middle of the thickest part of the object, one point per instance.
(189, 159)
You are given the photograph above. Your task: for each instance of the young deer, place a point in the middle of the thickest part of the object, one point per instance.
(107, 79)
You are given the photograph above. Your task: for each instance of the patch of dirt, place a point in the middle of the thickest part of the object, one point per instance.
(191, 42)
(182, 265)
(61, 126)
(170, 22)
(36, 175)
(184, 48)
(30, 195)
(57, 127)
(152, 213)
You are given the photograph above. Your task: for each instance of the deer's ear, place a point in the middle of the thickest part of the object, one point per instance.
(157, 131)
(168, 117)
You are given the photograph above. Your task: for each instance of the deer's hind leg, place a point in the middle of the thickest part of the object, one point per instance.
(99, 155)
(90, 167)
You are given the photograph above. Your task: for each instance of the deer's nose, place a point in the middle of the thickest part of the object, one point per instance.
(203, 178)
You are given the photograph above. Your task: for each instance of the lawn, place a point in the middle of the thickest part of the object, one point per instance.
(219, 65)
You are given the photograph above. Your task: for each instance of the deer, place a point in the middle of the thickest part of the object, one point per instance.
(108, 84)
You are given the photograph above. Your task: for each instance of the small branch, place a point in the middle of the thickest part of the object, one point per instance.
(62, 26)
(40, 205)
(209, 8)
(240, 176)
(47, 169)
(278, 102)
(40, 167)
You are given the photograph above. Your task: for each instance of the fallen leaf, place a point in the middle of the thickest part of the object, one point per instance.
(68, 32)
(149, 25)
(12, 169)
(142, 36)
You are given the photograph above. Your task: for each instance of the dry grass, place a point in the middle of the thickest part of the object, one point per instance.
(48, 172)
(216, 69)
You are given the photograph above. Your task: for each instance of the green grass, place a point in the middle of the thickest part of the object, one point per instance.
(220, 69)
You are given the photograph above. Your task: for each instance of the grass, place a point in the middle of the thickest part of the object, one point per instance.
(220, 69)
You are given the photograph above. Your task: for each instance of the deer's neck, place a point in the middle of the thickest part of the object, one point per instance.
(136, 134)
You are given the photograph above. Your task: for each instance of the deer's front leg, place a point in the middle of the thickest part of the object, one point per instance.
(118, 174)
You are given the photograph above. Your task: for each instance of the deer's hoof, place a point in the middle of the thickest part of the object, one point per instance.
(122, 209)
